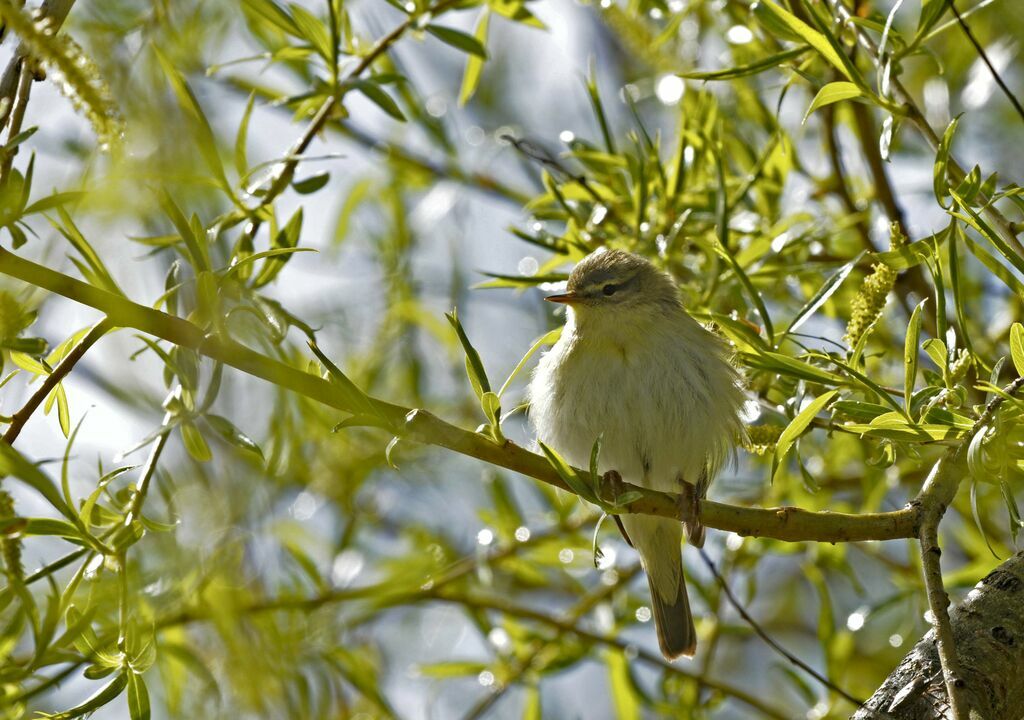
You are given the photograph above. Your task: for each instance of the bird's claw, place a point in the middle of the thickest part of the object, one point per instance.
(688, 506)
(611, 486)
(688, 503)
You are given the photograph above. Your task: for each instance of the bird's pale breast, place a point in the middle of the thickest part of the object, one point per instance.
(655, 403)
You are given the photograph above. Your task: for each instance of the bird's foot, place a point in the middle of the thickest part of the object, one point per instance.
(688, 506)
(688, 503)
(612, 486)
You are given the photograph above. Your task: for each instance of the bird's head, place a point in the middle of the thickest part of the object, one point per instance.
(617, 284)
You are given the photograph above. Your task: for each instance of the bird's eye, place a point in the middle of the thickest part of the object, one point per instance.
(609, 289)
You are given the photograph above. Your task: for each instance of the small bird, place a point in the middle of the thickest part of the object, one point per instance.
(632, 367)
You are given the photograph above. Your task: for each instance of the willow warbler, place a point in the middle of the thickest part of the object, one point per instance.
(633, 367)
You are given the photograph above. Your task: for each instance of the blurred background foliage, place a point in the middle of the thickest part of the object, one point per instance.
(184, 540)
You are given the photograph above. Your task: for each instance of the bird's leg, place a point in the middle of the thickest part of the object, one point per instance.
(611, 490)
(689, 513)
(688, 503)
(612, 486)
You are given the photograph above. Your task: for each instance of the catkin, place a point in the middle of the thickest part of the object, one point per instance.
(868, 304)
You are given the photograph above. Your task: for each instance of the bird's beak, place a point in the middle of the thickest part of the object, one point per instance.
(565, 298)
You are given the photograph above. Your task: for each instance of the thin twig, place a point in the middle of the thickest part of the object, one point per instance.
(17, 116)
(391, 151)
(541, 156)
(768, 639)
(51, 381)
(938, 603)
(984, 57)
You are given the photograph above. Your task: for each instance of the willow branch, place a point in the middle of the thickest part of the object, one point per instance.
(51, 381)
(937, 494)
(988, 628)
(783, 523)
(938, 604)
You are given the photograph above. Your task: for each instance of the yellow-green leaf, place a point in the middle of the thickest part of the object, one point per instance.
(768, 9)
(1017, 346)
(797, 426)
(474, 62)
(832, 93)
(910, 353)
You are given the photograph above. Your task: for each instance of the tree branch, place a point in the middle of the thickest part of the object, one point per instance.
(988, 630)
(21, 417)
(784, 523)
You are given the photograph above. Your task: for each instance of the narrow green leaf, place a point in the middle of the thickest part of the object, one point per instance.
(265, 254)
(375, 94)
(624, 698)
(50, 526)
(101, 697)
(1017, 346)
(286, 237)
(796, 428)
(196, 245)
(311, 184)
(14, 463)
(977, 222)
(474, 365)
(548, 338)
(231, 434)
(753, 68)
(808, 34)
(313, 30)
(359, 403)
(826, 291)
(940, 182)
(832, 93)
(458, 39)
(58, 199)
(208, 146)
(100, 276)
(274, 14)
(241, 139)
(475, 63)
(63, 414)
(389, 451)
(194, 442)
(910, 353)
(569, 476)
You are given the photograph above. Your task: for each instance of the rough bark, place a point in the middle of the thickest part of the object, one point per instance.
(988, 630)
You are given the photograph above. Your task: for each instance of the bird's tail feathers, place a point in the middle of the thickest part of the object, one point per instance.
(674, 622)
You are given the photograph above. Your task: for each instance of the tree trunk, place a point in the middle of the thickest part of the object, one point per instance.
(988, 629)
